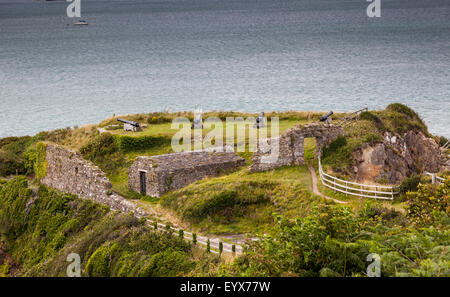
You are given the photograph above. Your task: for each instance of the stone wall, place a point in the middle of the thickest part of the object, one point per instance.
(291, 145)
(67, 171)
(169, 172)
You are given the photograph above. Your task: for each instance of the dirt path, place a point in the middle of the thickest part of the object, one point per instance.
(202, 240)
(316, 189)
(214, 241)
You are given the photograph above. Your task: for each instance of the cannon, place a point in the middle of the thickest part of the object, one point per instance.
(326, 117)
(260, 121)
(130, 125)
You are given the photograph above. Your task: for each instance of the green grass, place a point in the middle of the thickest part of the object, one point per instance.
(309, 146)
(119, 175)
(243, 202)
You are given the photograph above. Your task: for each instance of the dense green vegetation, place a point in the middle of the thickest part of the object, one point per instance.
(41, 227)
(140, 143)
(12, 151)
(333, 241)
(103, 150)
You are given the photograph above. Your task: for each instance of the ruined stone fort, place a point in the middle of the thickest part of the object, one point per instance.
(69, 172)
(290, 145)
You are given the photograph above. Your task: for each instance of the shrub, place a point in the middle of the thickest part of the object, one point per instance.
(40, 167)
(12, 151)
(158, 118)
(99, 263)
(131, 143)
(401, 118)
(11, 164)
(368, 116)
(15, 145)
(335, 145)
(430, 204)
(403, 109)
(104, 152)
(409, 184)
(167, 263)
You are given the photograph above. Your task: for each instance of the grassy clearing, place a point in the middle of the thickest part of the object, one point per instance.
(105, 152)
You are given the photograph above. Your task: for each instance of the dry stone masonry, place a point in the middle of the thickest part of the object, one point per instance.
(159, 174)
(291, 145)
(67, 171)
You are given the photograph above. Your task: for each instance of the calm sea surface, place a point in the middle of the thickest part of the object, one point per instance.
(245, 55)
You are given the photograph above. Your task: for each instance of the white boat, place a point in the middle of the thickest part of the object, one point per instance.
(81, 22)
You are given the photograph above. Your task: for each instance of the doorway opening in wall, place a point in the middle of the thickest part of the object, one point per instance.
(143, 179)
(309, 145)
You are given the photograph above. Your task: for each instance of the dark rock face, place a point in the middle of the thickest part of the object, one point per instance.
(397, 158)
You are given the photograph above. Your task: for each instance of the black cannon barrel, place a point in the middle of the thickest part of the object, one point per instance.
(326, 116)
(132, 123)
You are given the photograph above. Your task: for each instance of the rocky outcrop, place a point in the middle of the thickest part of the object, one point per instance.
(288, 149)
(396, 158)
(67, 171)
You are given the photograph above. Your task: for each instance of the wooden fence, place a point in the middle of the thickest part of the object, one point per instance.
(350, 117)
(355, 189)
(446, 145)
(435, 179)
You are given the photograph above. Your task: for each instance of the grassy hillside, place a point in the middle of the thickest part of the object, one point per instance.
(40, 227)
(370, 127)
(242, 202)
(302, 233)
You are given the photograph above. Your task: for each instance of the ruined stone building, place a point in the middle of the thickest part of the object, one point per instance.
(67, 171)
(290, 145)
(157, 175)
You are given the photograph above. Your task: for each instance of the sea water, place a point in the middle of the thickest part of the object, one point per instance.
(139, 56)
